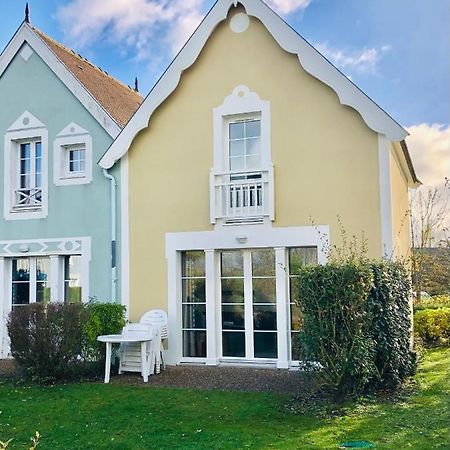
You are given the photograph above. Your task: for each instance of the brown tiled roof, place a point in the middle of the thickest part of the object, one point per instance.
(118, 99)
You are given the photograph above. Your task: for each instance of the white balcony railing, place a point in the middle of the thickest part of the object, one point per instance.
(28, 198)
(241, 196)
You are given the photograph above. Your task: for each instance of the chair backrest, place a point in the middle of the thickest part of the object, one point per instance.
(156, 318)
(138, 330)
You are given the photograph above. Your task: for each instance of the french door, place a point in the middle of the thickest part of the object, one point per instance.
(30, 281)
(248, 304)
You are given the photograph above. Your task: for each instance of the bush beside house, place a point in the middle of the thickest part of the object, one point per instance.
(356, 324)
(57, 341)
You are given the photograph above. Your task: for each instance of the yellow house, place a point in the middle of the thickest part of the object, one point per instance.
(248, 137)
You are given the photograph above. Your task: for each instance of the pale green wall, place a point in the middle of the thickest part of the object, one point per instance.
(74, 211)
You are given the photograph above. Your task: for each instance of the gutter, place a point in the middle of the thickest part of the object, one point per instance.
(113, 185)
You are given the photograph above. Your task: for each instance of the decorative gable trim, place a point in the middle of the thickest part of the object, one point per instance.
(310, 59)
(25, 35)
(26, 52)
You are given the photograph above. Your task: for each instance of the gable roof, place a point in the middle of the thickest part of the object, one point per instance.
(118, 99)
(289, 40)
(109, 101)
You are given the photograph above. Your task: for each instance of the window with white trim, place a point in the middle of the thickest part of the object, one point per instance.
(72, 156)
(28, 184)
(25, 169)
(242, 185)
(244, 145)
(75, 160)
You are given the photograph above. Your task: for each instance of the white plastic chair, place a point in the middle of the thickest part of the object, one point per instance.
(130, 359)
(157, 318)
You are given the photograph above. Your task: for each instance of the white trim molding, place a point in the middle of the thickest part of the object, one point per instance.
(26, 128)
(71, 135)
(26, 36)
(289, 40)
(241, 104)
(384, 167)
(124, 236)
(212, 242)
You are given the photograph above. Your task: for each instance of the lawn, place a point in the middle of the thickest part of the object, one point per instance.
(97, 416)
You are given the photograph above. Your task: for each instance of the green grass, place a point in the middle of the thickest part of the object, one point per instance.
(97, 416)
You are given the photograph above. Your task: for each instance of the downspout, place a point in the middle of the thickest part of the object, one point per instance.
(113, 185)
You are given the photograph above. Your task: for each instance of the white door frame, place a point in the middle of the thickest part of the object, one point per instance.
(234, 237)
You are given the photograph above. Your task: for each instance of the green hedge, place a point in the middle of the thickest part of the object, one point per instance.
(432, 326)
(356, 323)
(437, 301)
(390, 307)
(57, 341)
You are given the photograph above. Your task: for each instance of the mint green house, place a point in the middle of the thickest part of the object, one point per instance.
(60, 211)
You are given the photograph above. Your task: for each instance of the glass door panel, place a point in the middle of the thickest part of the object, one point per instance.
(233, 304)
(264, 303)
(42, 279)
(248, 311)
(20, 282)
(193, 307)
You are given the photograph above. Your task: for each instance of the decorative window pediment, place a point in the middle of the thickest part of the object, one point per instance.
(26, 122)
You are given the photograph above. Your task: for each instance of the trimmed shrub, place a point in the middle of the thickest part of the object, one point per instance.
(356, 324)
(47, 339)
(335, 324)
(389, 303)
(433, 326)
(58, 341)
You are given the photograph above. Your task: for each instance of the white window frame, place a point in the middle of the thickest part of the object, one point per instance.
(212, 242)
(70, 137)
(26, 128)
(226, 145)
(241, 104)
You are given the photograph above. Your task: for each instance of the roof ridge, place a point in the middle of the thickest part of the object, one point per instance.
(41, 34)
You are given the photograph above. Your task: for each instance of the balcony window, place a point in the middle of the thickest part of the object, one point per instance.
(29, 190)
(242, 177)
(25, 176)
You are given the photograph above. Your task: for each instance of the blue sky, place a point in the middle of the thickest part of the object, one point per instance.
(397, 51)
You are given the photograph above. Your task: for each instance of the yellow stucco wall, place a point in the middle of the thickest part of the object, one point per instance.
(325, 156)
(400, 207)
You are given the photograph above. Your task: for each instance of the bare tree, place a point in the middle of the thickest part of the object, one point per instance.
(430, 230)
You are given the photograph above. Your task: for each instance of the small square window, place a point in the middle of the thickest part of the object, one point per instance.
(72, 156)
(75, 158)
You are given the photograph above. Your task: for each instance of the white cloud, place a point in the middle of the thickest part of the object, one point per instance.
(288, 6)
(141, 27)
(359, 61)
(136, 25)
(429, 146)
